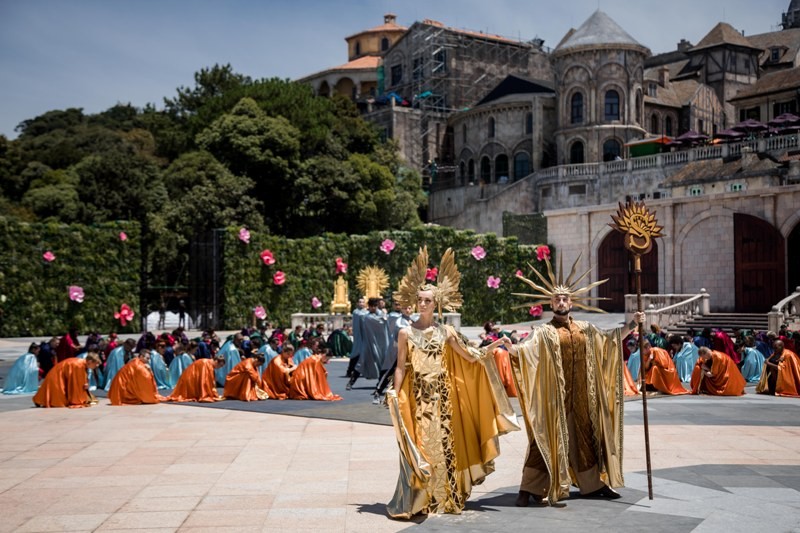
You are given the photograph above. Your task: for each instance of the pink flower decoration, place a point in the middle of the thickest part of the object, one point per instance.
(244, 235)
(493, 282)
(542, 252)
(260, 312)
(535, 311)
(124, 315)
(49, 256)
(431, 274)
(519, 273)
(341, 266)
(123, 236)
(387, 246)
(75, 293)
(267, 257)
(315, 303)
(279, 278)
(478, 253)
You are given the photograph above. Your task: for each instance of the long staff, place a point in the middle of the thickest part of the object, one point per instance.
(640, 228)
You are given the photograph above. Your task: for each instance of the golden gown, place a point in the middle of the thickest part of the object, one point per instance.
(448, 414)
(570, 389)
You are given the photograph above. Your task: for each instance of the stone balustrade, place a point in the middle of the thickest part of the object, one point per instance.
(339, 321)
(785, 312)
(666, 310)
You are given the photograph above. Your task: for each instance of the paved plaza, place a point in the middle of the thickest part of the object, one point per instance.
(719, 464)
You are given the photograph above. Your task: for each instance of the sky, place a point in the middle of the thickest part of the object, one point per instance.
(93, 54)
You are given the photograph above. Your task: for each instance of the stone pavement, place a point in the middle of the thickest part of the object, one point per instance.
(719, 465)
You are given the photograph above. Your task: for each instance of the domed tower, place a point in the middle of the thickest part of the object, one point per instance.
(599, 72)
(791, 19)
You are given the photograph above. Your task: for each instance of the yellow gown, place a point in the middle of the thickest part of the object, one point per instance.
(448, 415)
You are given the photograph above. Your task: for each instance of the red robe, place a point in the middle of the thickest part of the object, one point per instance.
(310, 381)
(276, 380)
(503, 362)
(662, 373)
(726, 380)
(66, 385)
(134, 384)
(67, 347)
(197, 383)
(241, 382)
(788, 383)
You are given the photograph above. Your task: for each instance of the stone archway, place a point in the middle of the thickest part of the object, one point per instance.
(615, 264)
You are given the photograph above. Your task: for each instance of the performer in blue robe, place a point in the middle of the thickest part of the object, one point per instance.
(752, 362)
(685, 355)
(302, 354)
(159, 367)
(375, 344)
(229, 350)
(117, 359)
(23, 378)
(398, 318)
(181, 361)
(358, 335)
(634, 364)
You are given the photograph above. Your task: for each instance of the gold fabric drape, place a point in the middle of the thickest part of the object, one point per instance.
(539, 372)
(448, 414)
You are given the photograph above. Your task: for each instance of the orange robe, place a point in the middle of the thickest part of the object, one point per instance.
(242, 382)
(66, 385)
(310, 381)
(630, 386)
(788, 383)
(662, 373)
(197, 383)
(276, 380)
(503, 362)
(134, 384)
(727, 380)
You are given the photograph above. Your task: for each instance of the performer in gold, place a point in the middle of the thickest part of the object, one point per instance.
(570, 385)
(445, 424)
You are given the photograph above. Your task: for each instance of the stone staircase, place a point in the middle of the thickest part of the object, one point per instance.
(724, 321)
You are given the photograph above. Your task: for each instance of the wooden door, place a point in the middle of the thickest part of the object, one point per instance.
(759, 259)
(616, 264)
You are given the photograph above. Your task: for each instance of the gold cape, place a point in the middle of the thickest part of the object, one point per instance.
(539, 376)
(479, 412)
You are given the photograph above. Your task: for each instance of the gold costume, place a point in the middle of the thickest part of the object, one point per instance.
(447, 415)
(570, 386)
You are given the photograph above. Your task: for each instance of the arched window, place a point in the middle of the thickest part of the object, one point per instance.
(486, 170)
(528, 123)
(384, 44)
(501, 168)
(576, 109)
(576, 156)
(358, 48)
(639, 106)
(612, 105)
(654, 124)
(462, 174)
(611, 150)
(464, 133)
(471, 171)
(491, 127)
(668, 126)
(522, 165)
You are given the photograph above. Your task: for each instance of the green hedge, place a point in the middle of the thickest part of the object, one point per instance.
(34, 300)
(309, 266)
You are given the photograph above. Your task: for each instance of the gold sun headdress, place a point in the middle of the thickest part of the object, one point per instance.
(554, 286)
(445, 292)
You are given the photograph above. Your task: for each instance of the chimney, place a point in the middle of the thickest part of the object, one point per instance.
(389, 18)
(684, 45)
(663, 76)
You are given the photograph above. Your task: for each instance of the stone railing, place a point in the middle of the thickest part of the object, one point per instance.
(338, 321)
(668, 309)
(785, 312)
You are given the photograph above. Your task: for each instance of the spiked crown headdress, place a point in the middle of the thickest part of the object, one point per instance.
(445, 292)
(557, 285)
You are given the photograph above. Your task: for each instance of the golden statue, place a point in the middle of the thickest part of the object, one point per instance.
(372, 281)
(341, 298)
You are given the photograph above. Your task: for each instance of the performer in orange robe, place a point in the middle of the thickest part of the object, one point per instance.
(310, 380)
(67, 383)
(661, 372)
(277, 375)
(503, 362)
(134, 384)
(781, 375)
(628, 382)
(243, 382)
(197, 383)
(716, 374)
